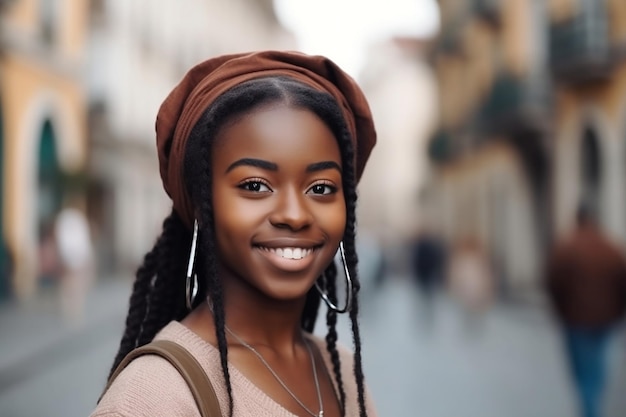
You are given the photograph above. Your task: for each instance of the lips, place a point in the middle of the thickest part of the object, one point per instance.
(294, 253)
(288, 259)
(289, 254)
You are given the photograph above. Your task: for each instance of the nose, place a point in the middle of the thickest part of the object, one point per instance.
(291, 211)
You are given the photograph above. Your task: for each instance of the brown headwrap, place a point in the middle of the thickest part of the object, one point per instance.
(208, 80)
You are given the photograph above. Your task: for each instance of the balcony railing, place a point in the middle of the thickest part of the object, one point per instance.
(487, 9)
(441, 147)
(580, 47)
(515, 103)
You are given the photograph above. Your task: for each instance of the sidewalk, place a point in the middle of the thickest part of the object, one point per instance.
(34, 334)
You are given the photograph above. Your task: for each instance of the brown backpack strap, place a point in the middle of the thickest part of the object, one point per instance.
(189, 368)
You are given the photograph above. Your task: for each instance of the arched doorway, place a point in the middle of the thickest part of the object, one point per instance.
(49, 200)
(591, 169)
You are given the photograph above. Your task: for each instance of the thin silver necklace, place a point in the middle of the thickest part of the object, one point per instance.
(280, 381)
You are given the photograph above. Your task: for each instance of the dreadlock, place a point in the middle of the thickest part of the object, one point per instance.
(158, 294)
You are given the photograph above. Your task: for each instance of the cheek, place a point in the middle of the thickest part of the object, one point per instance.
(334, 220)
(232, 211)
(228, 221)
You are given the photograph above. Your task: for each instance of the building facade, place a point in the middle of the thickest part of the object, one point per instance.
(43, 121)
(531, 124)
(400, 88)
(588, 63)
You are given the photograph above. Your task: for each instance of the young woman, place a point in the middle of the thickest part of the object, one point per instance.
(260, 154)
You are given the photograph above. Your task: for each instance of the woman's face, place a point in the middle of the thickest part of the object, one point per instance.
(278, 202)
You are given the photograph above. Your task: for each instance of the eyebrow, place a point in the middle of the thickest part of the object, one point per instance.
(271, 166)
(258, 163)
(321, 166)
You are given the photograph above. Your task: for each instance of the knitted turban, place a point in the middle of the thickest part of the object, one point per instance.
(206, 81)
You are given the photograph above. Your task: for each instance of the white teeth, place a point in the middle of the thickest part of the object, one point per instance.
(291, 253)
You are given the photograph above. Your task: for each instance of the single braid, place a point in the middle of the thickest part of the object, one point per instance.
(330, 284)
(351, 259)
(352, 265)
(358, 367)
(175, 294)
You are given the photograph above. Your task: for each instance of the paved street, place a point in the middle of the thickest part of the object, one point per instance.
(52, 368)
(508, 365)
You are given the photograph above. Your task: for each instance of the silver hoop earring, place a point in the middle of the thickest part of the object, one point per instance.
(324, 295)
(191, 284)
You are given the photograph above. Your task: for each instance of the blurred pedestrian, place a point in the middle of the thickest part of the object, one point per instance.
(49, 262)
(428, 261)
(471, 279)
(586, 281)
(261, 154)
(75, 248)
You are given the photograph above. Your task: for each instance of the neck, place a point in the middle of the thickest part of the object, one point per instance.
(261, 321)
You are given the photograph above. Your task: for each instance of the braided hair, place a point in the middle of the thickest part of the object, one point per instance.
(159, 291)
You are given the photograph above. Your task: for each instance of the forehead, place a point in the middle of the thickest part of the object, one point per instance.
(278, 134)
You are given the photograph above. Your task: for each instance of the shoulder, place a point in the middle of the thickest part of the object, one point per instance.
(148, 386)
(151, 386)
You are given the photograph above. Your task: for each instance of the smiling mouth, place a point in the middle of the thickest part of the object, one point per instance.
(289, 253)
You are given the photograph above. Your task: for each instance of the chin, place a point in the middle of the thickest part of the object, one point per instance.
(288, 292)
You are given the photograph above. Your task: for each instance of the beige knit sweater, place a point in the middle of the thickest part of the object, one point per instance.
(151, 387)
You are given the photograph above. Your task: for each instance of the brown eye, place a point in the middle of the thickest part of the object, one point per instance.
(322, 189)
(255, 187)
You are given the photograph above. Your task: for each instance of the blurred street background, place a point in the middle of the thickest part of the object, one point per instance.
(496, 120)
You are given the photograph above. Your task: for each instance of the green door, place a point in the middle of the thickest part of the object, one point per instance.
(49, 176)
(49, 196)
